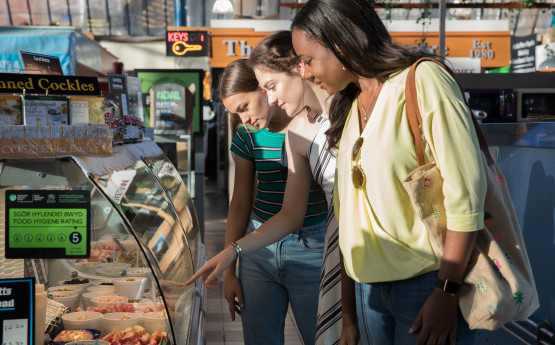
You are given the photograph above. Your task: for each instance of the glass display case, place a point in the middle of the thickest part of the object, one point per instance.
(143, 224)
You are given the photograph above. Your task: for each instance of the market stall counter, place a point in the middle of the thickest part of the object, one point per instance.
(142, 244)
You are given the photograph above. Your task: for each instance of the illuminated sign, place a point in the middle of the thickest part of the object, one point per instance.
(187, 43)
(47, 224)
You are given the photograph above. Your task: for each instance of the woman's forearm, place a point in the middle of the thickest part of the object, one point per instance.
(274, 229)
(456, 254)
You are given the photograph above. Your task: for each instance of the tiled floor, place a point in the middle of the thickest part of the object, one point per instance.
(219, 327)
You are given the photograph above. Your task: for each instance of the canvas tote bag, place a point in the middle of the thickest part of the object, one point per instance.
(499, 286)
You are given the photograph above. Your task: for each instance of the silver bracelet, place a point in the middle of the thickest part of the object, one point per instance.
(238, 250)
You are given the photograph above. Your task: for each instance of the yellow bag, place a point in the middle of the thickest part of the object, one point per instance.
(499, 286)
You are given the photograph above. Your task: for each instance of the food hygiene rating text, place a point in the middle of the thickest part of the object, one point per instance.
(48, 217)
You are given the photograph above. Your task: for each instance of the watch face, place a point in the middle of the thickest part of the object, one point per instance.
(451, 287)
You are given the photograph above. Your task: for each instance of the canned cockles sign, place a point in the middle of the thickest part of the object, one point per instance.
(54, 85)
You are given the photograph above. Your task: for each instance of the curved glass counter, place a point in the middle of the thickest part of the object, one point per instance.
(141, 216)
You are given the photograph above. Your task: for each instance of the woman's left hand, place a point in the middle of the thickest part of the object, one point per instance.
(437, 320)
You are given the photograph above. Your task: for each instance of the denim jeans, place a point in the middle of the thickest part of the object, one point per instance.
(287, 271)
(387, 310)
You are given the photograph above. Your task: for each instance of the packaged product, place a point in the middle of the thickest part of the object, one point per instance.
(30, 132)
(67, 131)
(45, 110)
(56, 131)
(91, 131)
(43, 132)
(10, 110)
(5, 132)
(79, 131)
(17, 132)
(86, 110)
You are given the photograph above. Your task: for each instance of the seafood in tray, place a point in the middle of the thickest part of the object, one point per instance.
(136, 335)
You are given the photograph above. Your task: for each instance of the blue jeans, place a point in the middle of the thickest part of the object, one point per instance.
(387, 310)
(287, 271)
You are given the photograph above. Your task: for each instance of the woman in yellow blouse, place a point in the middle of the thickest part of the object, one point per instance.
(404, 295)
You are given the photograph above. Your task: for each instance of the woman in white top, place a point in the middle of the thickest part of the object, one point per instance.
(279, 73)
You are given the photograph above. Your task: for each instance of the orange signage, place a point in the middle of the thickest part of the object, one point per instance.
(492, 47)
(232, 44)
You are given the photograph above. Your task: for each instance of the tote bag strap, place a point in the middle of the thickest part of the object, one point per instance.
(415, 117)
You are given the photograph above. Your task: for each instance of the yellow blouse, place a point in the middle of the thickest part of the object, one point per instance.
(381, 237)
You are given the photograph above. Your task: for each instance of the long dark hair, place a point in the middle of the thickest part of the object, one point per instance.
(355, 34)
(237, 77)
(275, 52)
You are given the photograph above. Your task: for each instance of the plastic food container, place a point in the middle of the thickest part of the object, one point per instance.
(140, 272)
(88, 342)
(87, 267)
(69, 299)
(132, 287)
(65, 288)
(87, 297)
(101, 288)
(155, 323)
(82, 320)
(118, 321)
(106, 301)
(72, 283)
(67, 334)
(112, 269)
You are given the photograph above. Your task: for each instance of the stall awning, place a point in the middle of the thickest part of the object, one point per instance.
(76, 51)
(60, 43)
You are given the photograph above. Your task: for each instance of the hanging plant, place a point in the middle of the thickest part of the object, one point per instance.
(425, 19)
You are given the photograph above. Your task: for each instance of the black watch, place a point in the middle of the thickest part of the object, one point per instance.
(448, 286)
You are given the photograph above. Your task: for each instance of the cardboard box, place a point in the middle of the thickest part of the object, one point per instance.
(10, 110)
(45, 110)
(85, 110)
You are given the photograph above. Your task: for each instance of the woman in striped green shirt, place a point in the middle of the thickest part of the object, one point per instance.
(284, 272)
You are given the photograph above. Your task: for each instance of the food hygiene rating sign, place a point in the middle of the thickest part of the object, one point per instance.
(47, 224)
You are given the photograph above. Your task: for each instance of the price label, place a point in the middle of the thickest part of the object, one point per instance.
(14, 332)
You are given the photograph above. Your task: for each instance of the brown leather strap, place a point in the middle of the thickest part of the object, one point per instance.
(415, 118)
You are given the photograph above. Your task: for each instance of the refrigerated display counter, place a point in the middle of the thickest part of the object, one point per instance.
(142, 224)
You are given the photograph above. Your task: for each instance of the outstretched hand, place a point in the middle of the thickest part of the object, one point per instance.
(210, 271)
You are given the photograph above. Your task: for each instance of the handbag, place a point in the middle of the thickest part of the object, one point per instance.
(498, 286)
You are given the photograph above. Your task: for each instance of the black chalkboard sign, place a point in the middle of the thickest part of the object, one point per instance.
(523, 54)
(117, 86)
(34, 63)
(17, 309)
